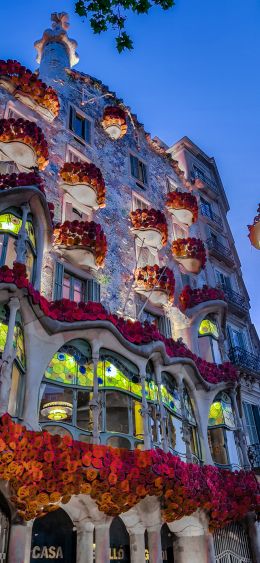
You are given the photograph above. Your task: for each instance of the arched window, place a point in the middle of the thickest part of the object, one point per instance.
(67, 390)
(119, 541)
(121, 388)
(208, 340)
(10, 225)
(18, 371)
(192, 424)
(220, 431)
(53, 537)
(172, 403)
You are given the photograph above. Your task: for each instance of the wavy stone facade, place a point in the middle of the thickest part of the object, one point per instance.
(91, 372)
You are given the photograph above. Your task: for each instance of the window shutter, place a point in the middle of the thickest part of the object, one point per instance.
(59, 274)
(92, 292)
(164, 326)
(134, 166)
(87, 131)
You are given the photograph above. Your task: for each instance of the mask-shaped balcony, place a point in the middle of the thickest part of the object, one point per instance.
(84, 182)
(23, 142)
(114, 122)
(190, 253)
(82, 243)
(155, 283)
(150, 226)
(183, 206)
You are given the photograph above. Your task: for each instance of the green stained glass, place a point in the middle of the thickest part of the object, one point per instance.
(208, 328)
(19, 345)
(111, 376)
(221, 412)
(3, 327)
(64, 368)
(188, 407)
(171, 399)
(30, 233)
(10, 224)
(152, 390)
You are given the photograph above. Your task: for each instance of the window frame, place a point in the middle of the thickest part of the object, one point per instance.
(60, 269)
(78, 154)
(73, 111)
(7, 234)
(139, 182)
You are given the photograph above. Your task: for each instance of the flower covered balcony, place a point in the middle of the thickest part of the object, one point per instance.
(83, 243)
(254, 230)
(29, 89)
(19, 180)
(150, 226)
(23, 142)
(84, 182)
(114, 122)
(183, 206)
(155, 283)
(191, 297)
(190, 253)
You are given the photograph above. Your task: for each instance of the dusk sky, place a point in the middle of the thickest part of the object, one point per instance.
(194, 71)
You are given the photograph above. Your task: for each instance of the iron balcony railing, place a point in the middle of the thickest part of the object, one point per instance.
(254, 455)
(217, 246)
(234, 298)
(244, 359)
(206, 211)
(197, 174)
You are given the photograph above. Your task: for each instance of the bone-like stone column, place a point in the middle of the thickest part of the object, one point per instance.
(193, 541)
(85, 543)
(102, 542)
(20, 543)
(240, 438)
(137, 546)
(145, 413)
(154, 544)
(8, 357)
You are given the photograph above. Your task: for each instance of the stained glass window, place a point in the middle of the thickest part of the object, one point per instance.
(10, 224)
(19, 344)
(66, 367)
(170, 394)
(111, 376)
(3, 327)
(221, 412)
(208, 328)
(188, 407)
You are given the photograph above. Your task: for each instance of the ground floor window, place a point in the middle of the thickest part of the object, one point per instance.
(53, 537)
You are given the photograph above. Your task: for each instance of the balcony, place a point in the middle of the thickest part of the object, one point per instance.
(201, 181)
(221, 252)
(235, 301)
(254, 456)
(244, 360)
(206, 212)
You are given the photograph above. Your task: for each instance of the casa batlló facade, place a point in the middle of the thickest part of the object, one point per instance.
(129, 394)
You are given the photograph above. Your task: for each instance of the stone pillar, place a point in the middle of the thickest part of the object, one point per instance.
(240, 438)
(154, 544)
(193, 543)
(165, 444)
(20, 543)
(21, 242)
(85, 542)
(95, 403)
(254, 536)
(8, 357)
(102, 542)
(137, 547)
(145, 413)
(185, 426)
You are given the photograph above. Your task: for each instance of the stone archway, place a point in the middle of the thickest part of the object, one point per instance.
(119, 542)
(53, 537)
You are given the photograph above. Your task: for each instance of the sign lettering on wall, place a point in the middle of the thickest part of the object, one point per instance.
(47, 552)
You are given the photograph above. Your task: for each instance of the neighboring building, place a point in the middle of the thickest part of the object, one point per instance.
(140, 231)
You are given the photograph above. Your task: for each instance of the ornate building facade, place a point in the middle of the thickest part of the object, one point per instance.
(129, 388)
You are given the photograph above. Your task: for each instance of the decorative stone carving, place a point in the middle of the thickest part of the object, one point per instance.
(58, 34)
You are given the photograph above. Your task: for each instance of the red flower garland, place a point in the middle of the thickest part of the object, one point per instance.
(133, 331)
(27, 82)
(89, 235)
(190, 248)
(44, 471)
(150, 219)
(191, 297)
(20, 180)
(154, 277)
(183, 200)
(27, 132)
(85, 173)
(114, 115)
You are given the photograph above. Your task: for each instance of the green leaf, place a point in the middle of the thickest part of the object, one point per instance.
(123, 42)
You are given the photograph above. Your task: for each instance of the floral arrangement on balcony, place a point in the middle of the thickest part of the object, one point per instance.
(84, 174)
(150, 220)
(191, 253)
(82, 234)
(20, 180)
(254, 230)
(114, 122)
(135, 332)
(155, 278)
(21, 82)
(183, 205)
(191, 297)
(27, 132)
(44, 471)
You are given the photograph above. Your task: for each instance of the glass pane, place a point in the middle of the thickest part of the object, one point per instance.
(221, 411)
(84, 412)
(77, 290)
(119, 442)
(56, 403)
(117, 412)
(3, 327)
(65, 368)
(19, 345)
(15, 391)
(79, 125)
(153, 423)
(66, 286)
(188, 407)
(110, 376)
(30, 233)
(170, 394)
(2, 238)
(10, 252)
(171, 431)
(9, 223)
(138, 422)
(29, 263)
(208, 327)
(217, 445)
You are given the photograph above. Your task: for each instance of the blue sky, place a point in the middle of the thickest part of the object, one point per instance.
(194, 71)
